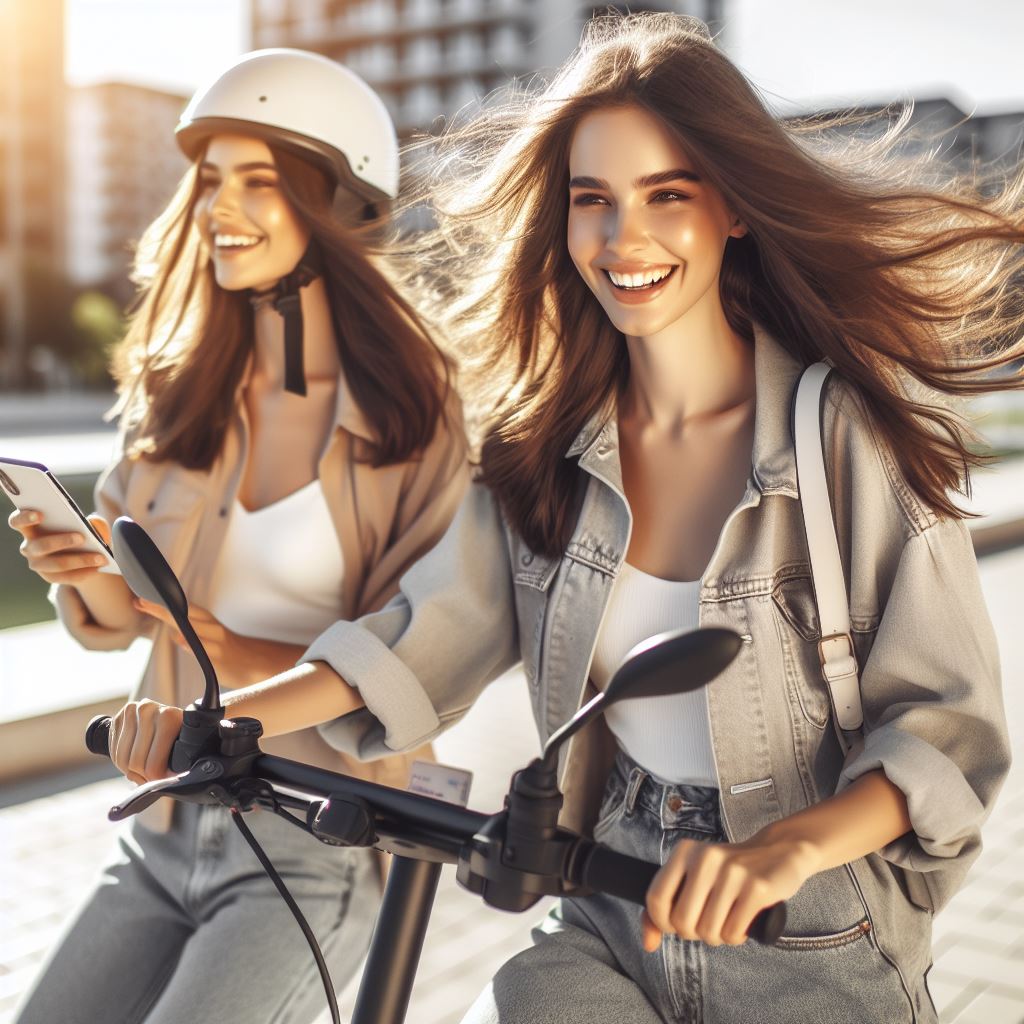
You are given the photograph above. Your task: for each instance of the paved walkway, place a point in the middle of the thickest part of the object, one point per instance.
(50, 849)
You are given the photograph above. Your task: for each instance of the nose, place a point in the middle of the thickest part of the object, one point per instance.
(221, 200)
(626, 231)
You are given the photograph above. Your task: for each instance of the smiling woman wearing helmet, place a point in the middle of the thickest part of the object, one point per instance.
(290, 442)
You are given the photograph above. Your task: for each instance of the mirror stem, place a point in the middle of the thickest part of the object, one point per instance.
(594, 707)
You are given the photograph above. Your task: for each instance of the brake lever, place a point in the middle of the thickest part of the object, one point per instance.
(196, 780)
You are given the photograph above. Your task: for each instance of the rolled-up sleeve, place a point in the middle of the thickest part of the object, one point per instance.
(421, 661)
(933, 710)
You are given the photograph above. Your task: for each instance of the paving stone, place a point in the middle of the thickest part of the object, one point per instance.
(982, 962)
(951, 993)
(993, 1006)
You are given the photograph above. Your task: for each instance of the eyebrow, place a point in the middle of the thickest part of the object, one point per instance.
(254, 166)
(647, 181)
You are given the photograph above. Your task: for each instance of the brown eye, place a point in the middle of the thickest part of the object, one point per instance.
(588, 199)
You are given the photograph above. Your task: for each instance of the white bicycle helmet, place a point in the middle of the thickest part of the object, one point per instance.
(308, 104)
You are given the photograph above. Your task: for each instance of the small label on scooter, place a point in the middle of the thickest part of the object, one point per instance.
(441, 781)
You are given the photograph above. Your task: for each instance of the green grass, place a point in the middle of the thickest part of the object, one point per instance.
(22, 592)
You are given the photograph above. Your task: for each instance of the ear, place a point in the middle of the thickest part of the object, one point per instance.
(738, 228)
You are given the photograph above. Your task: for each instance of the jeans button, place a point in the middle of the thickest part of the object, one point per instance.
(526, 559)
(674, 803)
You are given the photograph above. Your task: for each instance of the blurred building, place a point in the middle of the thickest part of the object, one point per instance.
(32, 212)
(123, 167)
(431, 57)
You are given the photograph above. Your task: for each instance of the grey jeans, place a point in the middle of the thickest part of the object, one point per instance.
(588, 965)
(186, 926)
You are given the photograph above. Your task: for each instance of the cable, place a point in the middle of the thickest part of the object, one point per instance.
(297, 822)
(294, 908)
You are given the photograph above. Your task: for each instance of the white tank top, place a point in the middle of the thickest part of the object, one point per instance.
(279, 573)
(669, 736)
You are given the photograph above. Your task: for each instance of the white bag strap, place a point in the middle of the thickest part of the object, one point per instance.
(835, 649)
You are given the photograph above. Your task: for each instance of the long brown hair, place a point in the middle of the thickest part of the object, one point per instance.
(188, 342)
(856, 250)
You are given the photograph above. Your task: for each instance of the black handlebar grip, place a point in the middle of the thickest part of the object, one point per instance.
(97, 735)
(628, 878)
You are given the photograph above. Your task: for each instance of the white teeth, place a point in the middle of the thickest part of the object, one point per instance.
(648, 277)
(231, 241)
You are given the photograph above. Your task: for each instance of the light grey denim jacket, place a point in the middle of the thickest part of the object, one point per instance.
(930, 679)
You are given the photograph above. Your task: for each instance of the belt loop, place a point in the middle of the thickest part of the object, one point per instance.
(637, 777)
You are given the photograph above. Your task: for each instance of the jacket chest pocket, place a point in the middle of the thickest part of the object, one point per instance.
(169, 512)
(532, 575)
(796, 615)
(796, 618)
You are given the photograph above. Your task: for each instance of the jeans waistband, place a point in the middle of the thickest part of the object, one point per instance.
(673, 804)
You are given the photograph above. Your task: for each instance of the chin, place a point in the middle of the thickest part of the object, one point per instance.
(638, 325)
(240, 282)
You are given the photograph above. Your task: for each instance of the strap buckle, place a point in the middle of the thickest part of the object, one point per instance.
(840, 671)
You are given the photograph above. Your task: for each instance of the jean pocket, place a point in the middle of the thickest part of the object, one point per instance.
(829, 940)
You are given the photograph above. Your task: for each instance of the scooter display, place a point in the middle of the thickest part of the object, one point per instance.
(510, 858)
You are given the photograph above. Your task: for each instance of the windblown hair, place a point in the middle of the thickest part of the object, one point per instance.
(859, 249)
(181, 362)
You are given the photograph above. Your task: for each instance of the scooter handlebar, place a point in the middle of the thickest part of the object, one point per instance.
(620, 875)
(601, 869)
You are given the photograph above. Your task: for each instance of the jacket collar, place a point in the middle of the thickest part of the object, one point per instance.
(776, 373)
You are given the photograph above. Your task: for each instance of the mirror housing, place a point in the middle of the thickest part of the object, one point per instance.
(147, 573)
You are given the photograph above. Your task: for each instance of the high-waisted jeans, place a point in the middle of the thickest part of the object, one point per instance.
(588, 964)
(185, 926)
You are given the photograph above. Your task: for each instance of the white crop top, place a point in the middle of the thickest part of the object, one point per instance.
(669, 736)
(279, 573)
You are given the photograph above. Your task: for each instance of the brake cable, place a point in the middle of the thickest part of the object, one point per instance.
(325, 977)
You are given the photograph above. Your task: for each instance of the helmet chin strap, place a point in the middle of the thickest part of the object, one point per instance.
(284, 297)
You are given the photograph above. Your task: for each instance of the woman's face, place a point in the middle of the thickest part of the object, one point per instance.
(645, 232)
(252, 232)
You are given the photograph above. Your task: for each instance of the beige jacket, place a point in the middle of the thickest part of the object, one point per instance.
(386, 518)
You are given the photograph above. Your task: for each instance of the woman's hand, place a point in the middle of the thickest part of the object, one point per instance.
(142, 735)
(238, 660)
(52, 555)
(713, 891)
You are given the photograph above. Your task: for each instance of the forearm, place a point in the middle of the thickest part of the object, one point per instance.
(297, 699)
(869, 814)
(257, 661)
(108, 601)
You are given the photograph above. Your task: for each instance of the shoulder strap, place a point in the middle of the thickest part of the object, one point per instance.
(835, 649)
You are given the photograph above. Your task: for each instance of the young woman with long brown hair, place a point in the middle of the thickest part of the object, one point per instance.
(291, 444)
(647, 260)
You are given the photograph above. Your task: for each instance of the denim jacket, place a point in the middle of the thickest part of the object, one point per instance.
(930, 678)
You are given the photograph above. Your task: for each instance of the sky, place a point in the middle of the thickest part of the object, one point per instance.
(170, 44)
(811, 52)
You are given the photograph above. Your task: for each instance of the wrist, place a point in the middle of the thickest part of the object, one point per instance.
(796, 844)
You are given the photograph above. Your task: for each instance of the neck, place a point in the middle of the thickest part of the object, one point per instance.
(695, 369)
(319, 348)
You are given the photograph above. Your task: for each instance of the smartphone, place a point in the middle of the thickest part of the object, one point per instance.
(31, 485)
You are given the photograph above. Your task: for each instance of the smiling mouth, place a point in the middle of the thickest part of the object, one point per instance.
(643, 282)
(226, 244)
